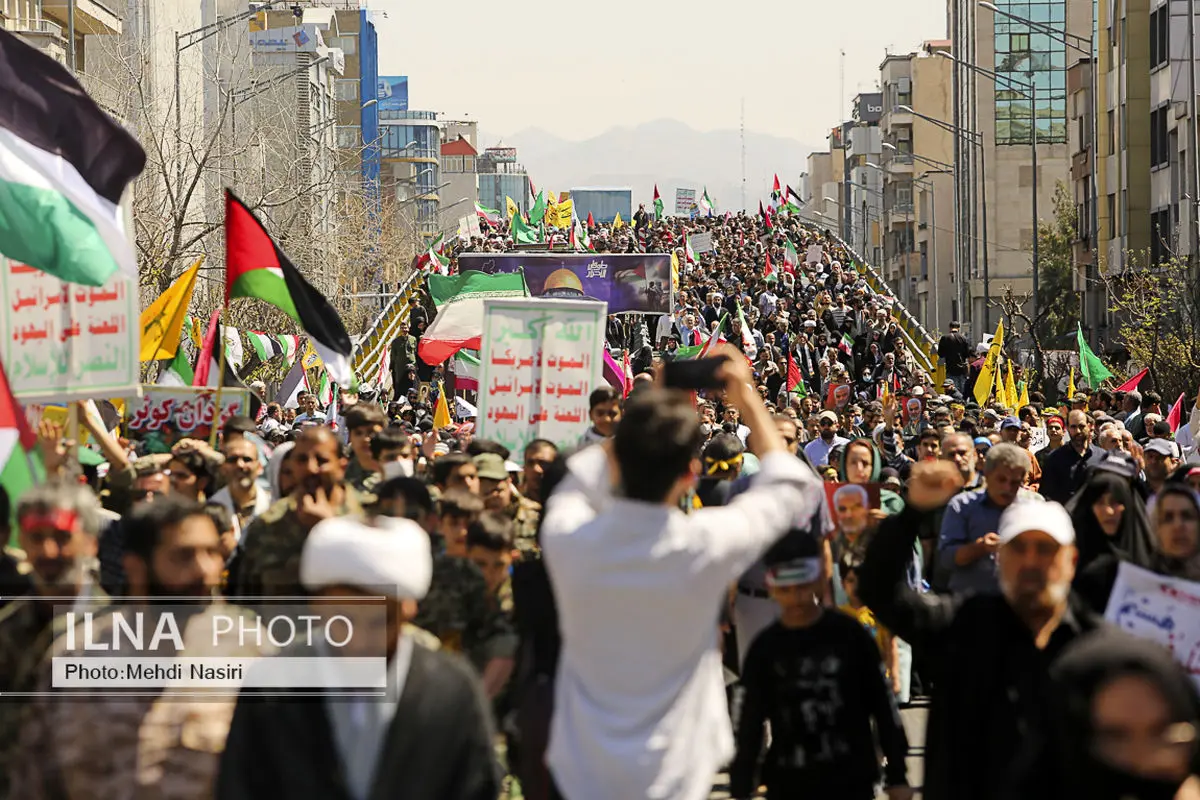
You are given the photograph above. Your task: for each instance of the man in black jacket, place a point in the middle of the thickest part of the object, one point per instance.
(991, 654)
(955, 352)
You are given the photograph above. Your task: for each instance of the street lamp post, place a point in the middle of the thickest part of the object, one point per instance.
(1029, 89)
(976, 140)
(1088, 41)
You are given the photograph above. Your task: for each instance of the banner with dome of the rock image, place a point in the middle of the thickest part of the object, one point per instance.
(634, 283)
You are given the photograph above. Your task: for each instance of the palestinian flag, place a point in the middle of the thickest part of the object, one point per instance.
(792, 201)
(591, 221)
(768, 269)
(177, 372)
(466, 370)
(658, 204)
(489, 215)
(20, 463)
(459, 301)
(256, 267)
(264, 344)
(64, 165)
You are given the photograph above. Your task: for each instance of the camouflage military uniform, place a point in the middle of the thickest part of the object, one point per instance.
(269, 561)
(525, 514)
(113, 746)
(26, 633)
(504, 597)
(462, 614)
(358, 476)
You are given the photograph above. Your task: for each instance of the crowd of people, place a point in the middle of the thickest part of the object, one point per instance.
(755, 578)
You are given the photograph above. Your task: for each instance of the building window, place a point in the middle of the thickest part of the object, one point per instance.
(1026, 55)
(1159, 52)
(1159, 151)
(1112, 216)
(1112, 133)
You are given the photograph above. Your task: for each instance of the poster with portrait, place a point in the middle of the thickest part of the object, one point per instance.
(911, 408)
(850, 506)
(838, 396)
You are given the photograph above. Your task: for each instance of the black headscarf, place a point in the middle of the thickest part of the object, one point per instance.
(1085, 668)
(1134, 540)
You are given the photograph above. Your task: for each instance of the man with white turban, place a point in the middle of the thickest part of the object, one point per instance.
(428, 738)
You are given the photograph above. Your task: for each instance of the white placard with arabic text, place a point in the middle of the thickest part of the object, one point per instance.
(539, 361)
(66, 341)
(1161, 609)
(702, 242)
(814, 255)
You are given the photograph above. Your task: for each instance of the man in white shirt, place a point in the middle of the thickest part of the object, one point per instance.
(640, 707)
(666, 327)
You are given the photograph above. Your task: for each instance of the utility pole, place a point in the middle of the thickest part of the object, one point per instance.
(1194, 223)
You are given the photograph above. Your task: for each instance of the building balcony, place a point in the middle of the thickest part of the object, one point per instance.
(899, 164)
(41, 34)
(91, 17)
(901, 214)
(408, 116)
(413, 155)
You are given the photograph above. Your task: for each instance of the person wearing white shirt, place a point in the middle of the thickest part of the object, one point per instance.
(640, 708)
(666, 327)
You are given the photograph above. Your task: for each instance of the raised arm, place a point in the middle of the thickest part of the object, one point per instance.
(917, 618)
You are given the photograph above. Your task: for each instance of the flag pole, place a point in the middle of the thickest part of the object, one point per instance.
(216, 423)
(73, 411)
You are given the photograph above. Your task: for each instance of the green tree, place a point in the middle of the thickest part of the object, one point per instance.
(1058, 302)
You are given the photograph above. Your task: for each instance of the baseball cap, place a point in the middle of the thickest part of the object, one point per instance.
(991, 414)
(490, 467)
(1010, 422)
(983, 441)
(797, 559)
(827, 415)
(1030, 515)
(1164, 447)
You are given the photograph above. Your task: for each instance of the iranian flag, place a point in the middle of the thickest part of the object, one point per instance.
(466, 370)
(846, 345)
(748, 345)
(64, 165)
(489, 215)
(20, 464)
(290, 345)
(716, 338)
(706, 204)
(688, 252)
(791, 258)
(658, 204)
(256, 267)
(432, 259)
(459, 301)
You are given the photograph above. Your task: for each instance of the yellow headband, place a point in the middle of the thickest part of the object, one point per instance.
(715, 465)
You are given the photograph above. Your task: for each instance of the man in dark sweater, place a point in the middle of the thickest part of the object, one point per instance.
(991, 655)
(955, 352)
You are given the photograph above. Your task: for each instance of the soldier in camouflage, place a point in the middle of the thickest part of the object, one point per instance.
(490, 548)
(162, 746)
(58, 525)
(270, 558)
(363, 422)
(499, 495)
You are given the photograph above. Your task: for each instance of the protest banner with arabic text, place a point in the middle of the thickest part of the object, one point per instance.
(65, 341)
(539, 362)
(1161, 609)
(190, 408)
(627, 283)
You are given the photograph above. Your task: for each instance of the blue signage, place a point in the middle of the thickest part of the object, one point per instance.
(393, 93)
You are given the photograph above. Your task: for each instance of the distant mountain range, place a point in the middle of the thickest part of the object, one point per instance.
(665, 152)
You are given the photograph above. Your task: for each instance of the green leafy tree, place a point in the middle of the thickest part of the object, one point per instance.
(1058, 311)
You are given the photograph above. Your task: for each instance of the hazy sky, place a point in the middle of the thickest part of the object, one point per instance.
(586, 67)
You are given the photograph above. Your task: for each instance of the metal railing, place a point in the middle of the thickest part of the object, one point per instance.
(19, 25)
(369, 351)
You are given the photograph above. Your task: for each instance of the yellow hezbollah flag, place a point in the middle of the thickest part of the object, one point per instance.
(674, 271)
(617, 222)
(162, 321)
(512, 208)
(566, 211)
(1023, 400)
(551, 217)
(987, 373)
(1010, 388)
(441, 413)
(311, 359)
(1001, 398)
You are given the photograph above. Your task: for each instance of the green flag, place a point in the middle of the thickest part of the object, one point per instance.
(521, 232)
(688, 353)
(1090, 365)
(538, 212)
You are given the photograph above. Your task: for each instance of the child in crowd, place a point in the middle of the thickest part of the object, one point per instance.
(817, 677)
(888, 648)
(457, 509)
(490, 547)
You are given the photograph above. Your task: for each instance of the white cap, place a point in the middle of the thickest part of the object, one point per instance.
(392, 557)
(1030, 515)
